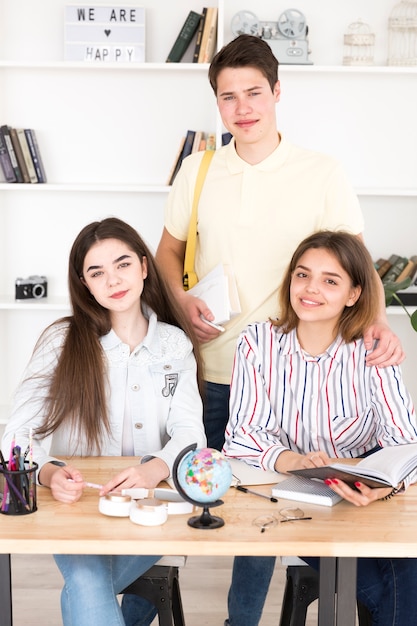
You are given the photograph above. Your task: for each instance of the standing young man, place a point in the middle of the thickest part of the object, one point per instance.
(261, 197)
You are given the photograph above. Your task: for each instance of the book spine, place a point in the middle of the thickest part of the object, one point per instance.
(197, 140)
(188, 145)
(26, 155)
(184, 38)
(187, 148)
(409, 270)
(199, 35)
(5, 162)
(392, 274)
(19, 155)
(209, 39)
(211, 141)
(35, 154)
(5, 131)
(176, 164)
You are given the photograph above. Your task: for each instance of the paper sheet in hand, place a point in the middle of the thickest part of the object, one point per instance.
(219, 292)
(249, 475)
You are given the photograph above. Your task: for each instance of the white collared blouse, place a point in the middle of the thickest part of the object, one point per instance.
(157, 380)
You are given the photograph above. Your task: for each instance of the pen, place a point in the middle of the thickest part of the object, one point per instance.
(92, 485)
(294, 519)
(256, 493)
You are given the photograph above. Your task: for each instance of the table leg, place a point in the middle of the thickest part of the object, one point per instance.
(327, 587)
(5, 590)
(346, 591)
(337, 591)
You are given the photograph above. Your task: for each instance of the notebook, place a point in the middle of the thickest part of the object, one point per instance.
(306, 490)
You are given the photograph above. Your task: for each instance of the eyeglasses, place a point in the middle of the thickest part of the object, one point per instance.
(288, 515)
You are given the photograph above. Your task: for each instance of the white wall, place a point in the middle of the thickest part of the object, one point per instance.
(122, 127)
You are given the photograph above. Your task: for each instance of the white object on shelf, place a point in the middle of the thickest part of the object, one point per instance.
(105, 34)
(402, 34)
(359, 44)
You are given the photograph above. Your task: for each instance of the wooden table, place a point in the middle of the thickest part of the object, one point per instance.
(338, 534)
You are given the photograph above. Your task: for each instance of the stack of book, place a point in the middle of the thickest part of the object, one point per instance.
(20, 157)
(396, 269)
(193, 141)
(200, 28)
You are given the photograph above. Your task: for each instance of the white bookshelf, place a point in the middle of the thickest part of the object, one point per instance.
(109, 133)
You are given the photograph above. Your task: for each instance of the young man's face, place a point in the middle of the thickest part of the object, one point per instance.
(247, 104)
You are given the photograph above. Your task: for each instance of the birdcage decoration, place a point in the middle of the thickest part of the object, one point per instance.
(402, 34)
(359, 44)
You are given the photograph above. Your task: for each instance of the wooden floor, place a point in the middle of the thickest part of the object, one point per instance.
(204, 584)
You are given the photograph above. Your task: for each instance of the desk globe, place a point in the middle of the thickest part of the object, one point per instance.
(201, 477)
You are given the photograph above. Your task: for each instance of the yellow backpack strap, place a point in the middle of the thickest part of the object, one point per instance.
(189, 276)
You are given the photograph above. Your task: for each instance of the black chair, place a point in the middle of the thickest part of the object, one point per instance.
(301, 589)
(160, 585)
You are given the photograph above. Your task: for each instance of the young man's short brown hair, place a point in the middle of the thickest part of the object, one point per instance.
(245, 51)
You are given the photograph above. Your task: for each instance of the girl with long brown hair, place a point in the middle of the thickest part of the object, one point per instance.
(117, 377)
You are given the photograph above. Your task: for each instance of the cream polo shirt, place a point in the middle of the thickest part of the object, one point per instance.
(252, 217)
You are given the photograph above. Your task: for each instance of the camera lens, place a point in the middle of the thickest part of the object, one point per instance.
(38, 291)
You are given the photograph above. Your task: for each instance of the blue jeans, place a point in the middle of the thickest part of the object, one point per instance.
(387, 587)
(92, 583)
(251, 577)
(215, 413)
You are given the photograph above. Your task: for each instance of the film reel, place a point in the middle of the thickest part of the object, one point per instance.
(245, 23)
(292, 24)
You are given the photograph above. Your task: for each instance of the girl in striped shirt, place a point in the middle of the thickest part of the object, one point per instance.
(302, 395)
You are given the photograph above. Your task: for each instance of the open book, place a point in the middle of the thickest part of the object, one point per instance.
(219, 292)
(385, 468)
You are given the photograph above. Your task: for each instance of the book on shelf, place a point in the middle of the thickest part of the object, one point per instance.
(389, 264)
(409, 270)
(19, 155)
(306, 490)
(387, 467)
(26, 155)
(395, 270)
(5, 162)
(209, 36)
(187, 146)
(211, 141)
(203, 143)
(184, 37)
(197, 141)
(35, 154)
(5, 132)
(200, 29)
(176, 163)
(382, 266)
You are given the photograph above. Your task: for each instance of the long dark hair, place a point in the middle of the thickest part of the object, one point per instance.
(77, 388)
(355, 259)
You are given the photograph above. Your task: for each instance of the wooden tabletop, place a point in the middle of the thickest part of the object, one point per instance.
(384, 528)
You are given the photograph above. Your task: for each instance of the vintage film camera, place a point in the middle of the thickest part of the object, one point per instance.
(287, 36)
(31, 287)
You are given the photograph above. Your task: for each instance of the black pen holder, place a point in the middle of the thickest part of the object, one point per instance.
(18, 490)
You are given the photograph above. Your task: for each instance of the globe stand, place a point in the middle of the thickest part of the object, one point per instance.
(206, 520)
